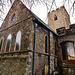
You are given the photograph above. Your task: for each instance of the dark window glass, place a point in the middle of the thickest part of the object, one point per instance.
(55, 18)
(64, 52)
(1, 41)
(46, 44)
(13, 18)
(8, 43)
(18, 39)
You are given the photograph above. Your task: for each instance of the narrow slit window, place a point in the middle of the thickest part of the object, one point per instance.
(1, 42)
(8, 42)
(46, 44)
(18, 40)
(55, 18)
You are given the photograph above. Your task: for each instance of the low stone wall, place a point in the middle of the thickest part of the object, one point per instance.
(15, 65)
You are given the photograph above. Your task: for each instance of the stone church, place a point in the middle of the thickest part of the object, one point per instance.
(30, 47)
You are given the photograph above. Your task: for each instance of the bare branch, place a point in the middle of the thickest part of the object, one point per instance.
(70, 4)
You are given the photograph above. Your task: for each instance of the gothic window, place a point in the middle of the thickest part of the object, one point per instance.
(18, 40)
(45, 44)
(13, 18)
(68, 50)
(8, 42)
(1, 42)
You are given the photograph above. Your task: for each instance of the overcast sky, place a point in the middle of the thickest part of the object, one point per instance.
(41, 11)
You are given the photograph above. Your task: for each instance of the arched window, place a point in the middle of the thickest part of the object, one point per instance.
(8, 42)
(18, 40)
(68, 49)
(1, 43)
(13, 18)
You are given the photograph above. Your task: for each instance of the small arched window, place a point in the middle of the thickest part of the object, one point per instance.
(8, 42)
(1, 43)
(13, 18)
(18, 40)
(55, 18)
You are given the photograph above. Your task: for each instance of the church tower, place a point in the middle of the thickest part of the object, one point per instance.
(58, 18)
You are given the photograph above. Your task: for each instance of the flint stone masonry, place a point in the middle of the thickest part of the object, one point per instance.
(15, 65)
(20, 62)
(21, 12)
(64, 36)
(40, 58)
(17, 62)
(52, 52)
(41, 33)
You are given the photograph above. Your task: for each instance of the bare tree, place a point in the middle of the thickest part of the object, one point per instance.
(50, 4)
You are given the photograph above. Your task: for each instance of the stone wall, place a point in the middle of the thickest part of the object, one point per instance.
(41, 58)
(17, 62)
(63, 31)
(26, 28)
(16, 65)
(58, 18)
(41, 61)
(52, 53)
(24, 65)
(66, 35)
(21, 12)
(41, 33)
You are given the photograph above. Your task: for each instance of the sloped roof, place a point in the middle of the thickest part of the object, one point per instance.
(43, 23)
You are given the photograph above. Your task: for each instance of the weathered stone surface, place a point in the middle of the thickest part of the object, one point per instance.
(17, 62)
(63, 19)
(63, 31)
(68, 36)
(20, 62)
(13, 66)
(41, 33)
(52, 52)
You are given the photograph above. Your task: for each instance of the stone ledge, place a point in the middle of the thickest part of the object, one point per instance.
(15, 57)
(12, 52)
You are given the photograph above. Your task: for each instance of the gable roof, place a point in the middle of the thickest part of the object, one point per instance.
(37, 18)
(43, 23)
